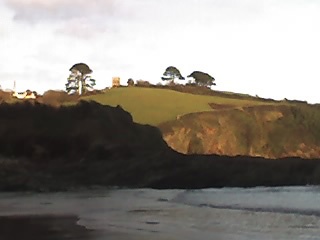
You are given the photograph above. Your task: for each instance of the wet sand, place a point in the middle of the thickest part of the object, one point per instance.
(48, 227)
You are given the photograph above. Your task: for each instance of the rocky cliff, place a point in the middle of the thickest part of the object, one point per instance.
(270, 131)
(47, 148)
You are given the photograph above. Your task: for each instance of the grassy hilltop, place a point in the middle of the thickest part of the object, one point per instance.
(156, 105)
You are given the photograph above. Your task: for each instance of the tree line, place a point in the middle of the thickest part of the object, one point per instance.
(80, 80)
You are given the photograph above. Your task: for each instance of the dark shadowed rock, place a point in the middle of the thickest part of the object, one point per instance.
(48, 148)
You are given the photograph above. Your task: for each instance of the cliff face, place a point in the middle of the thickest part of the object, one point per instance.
(45, 148)
(269, 131)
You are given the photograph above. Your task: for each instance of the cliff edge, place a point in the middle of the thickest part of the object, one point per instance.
(269, 131)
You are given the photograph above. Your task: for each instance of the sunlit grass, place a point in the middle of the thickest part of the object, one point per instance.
(154, 106)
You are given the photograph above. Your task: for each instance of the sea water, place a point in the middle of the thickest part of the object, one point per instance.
(219, 214)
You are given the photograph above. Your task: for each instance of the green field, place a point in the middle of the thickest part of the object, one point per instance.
(154, 106)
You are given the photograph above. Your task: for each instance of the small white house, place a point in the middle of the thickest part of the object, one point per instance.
(24, 95)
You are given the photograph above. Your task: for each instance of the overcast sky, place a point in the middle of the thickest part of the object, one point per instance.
(266, 47)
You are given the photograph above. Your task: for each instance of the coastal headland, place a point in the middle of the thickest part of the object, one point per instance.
(48, 148)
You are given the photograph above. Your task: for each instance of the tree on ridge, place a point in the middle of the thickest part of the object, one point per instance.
(202, 79)
(171, 73)
(79, 79)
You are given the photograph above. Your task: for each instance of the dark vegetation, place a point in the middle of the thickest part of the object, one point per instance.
(57, 98)
(202, 79)
(42, 145)
(199, 78)
(5, 96)
(200, 171)
(171, 73)
(59, 148)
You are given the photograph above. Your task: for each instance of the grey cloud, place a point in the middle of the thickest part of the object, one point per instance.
(81, 19)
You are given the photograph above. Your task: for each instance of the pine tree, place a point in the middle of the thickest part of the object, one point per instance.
(79, 80)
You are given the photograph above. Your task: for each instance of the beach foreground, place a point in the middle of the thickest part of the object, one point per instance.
(230, 213)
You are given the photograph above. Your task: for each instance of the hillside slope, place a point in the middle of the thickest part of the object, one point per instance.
(270, 131)
(155, 105)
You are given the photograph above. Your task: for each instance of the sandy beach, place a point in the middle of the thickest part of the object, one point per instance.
(284, 213)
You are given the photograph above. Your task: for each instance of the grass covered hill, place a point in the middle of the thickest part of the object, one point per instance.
(202, 121)
(157, 105)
